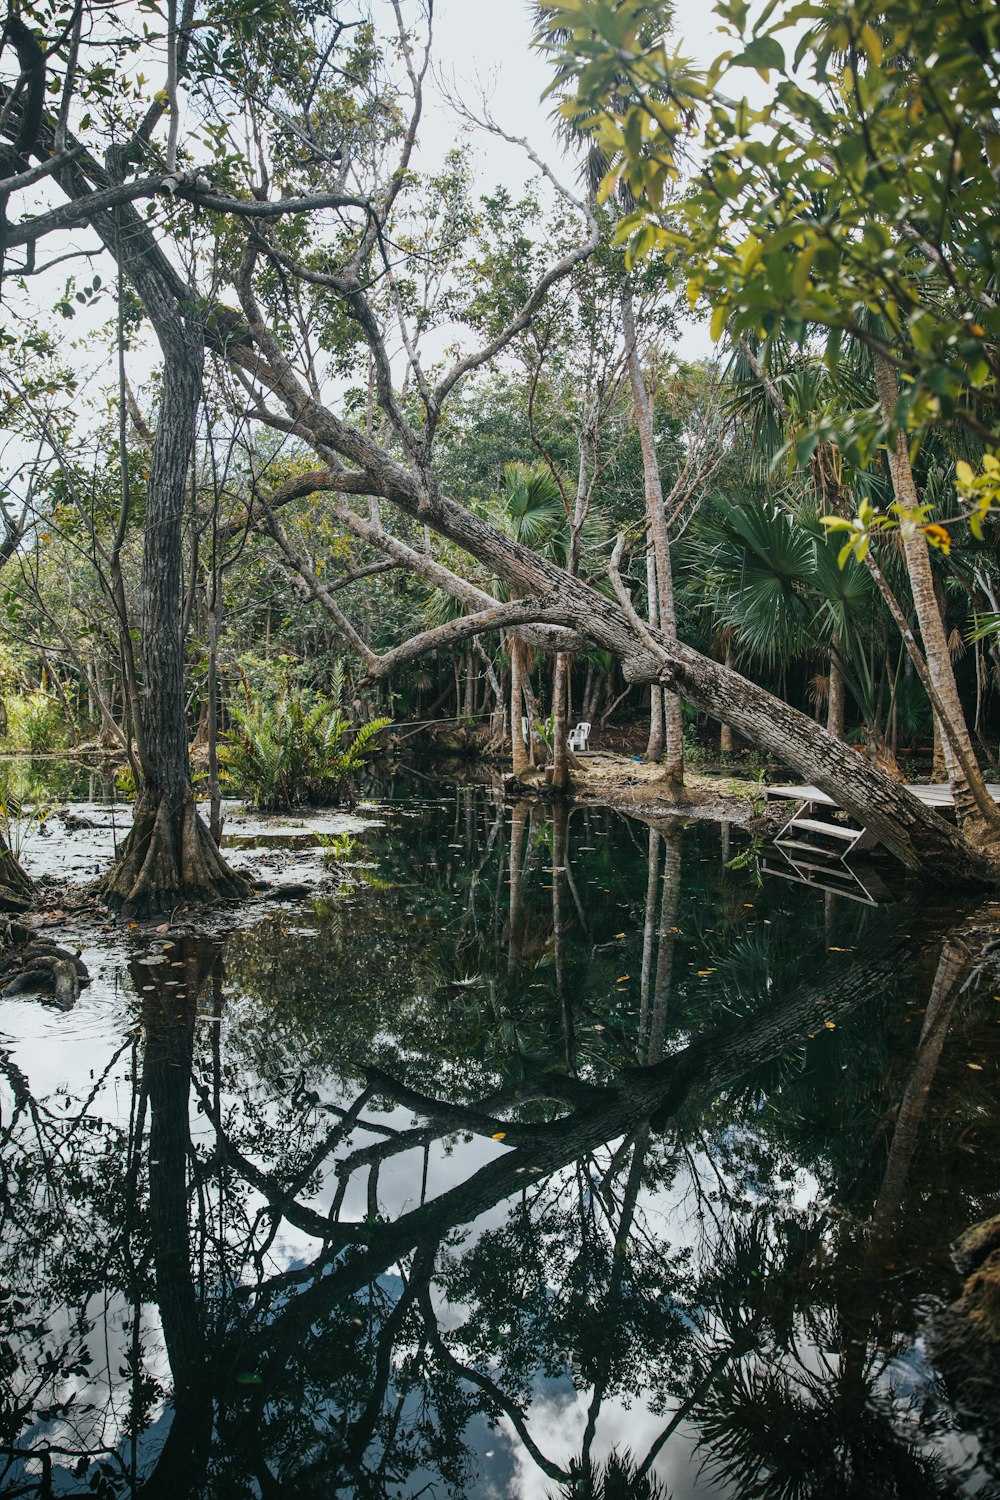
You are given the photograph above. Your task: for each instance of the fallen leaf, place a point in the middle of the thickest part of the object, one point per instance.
(978, 1066)
(499, 1135)
(830, 1025)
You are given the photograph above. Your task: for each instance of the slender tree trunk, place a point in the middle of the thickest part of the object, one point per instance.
(972, 818)
(726, 744)
(656, 516)
(531, 713)
(655, 743)
(835, 701)
(520, 759)
(560, 747)
(212, 689)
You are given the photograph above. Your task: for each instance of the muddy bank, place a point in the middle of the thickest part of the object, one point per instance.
(636, 786)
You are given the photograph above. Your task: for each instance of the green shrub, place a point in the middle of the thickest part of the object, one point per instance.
(36, 723)
(287, 753)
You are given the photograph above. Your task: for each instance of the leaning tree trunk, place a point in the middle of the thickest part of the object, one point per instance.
(972, 801)
(169, 857)
(673, 720)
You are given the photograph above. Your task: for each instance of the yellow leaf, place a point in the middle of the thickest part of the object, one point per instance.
(622, 978)
(872, 43)
(499, 1135)
(938, 536)
(830, 1025)
(977, 1066)
(718, 322)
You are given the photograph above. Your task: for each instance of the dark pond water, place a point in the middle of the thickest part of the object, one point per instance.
(552, 1157)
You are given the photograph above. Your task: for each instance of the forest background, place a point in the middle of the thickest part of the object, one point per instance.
(415, 449)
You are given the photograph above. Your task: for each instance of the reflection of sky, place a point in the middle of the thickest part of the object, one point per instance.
(71, 1055)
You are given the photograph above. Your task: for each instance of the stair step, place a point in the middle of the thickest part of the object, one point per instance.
(837, 871)
(783, 843)
(833, 830)
(858, 894)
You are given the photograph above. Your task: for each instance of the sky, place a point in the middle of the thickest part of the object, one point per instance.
(482, 48)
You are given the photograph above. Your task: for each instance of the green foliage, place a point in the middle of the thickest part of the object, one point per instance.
(36, 723)
(860, 201)
(21, 813)
(295, 751)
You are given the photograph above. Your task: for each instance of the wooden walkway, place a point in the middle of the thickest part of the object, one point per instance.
(930, 794)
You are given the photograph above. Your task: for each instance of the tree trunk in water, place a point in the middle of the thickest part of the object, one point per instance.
(971, 818)
(835, 702)
(520, 759)
(169, 858)
(673, 720)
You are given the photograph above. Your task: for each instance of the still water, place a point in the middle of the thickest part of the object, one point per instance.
(551, 1156)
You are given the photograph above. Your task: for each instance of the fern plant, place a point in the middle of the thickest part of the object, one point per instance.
(291, 752)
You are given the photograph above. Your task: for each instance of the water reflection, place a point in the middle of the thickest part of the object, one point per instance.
(559, 1159)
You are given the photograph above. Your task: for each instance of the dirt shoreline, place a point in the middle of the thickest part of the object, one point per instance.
(635, 786)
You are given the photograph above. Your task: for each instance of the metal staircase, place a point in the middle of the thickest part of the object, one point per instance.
(811, 835)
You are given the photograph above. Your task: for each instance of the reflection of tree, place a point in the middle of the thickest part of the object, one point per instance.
(169, 1010)
(315, 1346)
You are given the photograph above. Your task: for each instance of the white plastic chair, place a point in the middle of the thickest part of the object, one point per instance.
(579, 736)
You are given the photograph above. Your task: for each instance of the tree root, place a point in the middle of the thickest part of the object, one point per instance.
(17, 890)
(169, 859)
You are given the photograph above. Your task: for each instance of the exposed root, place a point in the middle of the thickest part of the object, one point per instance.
(17, 890)
(168, 860)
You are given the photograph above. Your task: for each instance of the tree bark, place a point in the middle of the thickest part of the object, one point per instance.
(169, 857)
(835, 701)
(656, 516)
(655, 743)
(560, 747)
(973, 816)
(519, 743)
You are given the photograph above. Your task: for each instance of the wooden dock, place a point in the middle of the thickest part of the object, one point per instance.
(813, 833)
